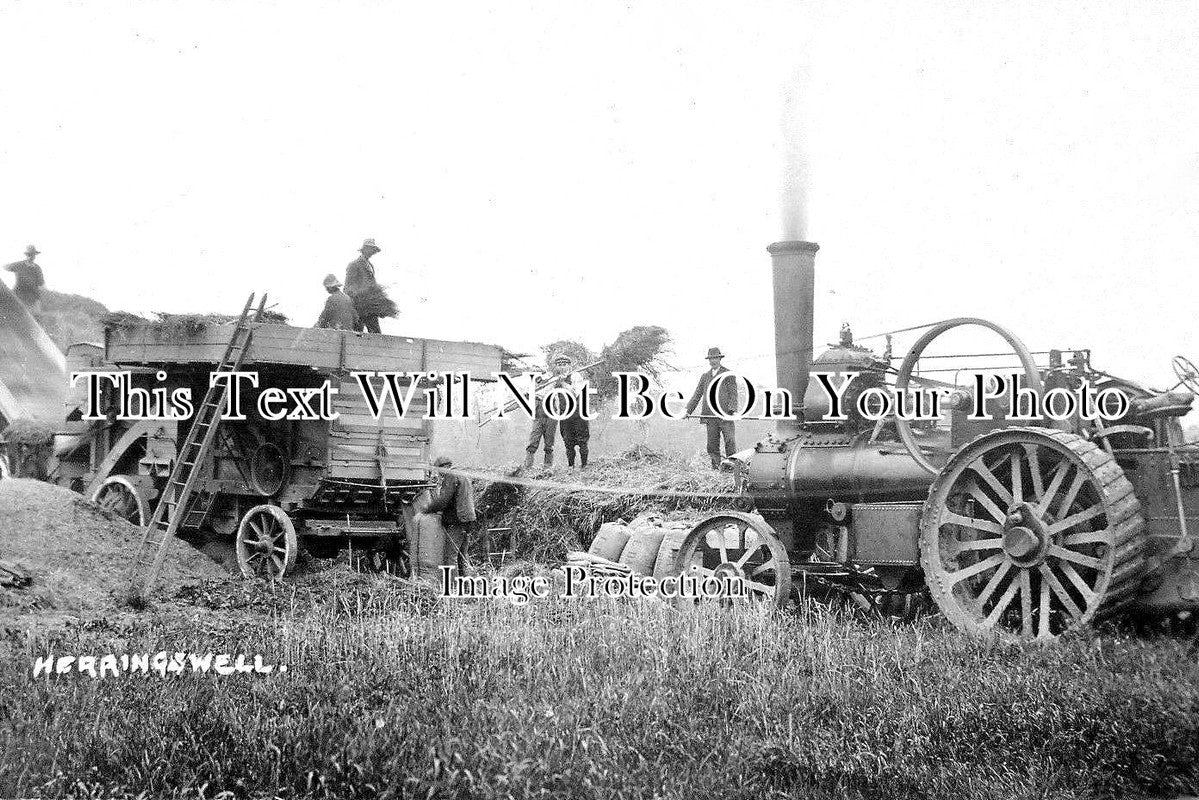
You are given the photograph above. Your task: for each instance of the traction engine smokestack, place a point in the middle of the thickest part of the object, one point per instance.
(794, 292)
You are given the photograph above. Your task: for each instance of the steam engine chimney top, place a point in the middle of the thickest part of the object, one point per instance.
(792, 246)
(794, 266)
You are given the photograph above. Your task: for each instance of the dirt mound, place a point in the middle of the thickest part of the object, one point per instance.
(77, 554)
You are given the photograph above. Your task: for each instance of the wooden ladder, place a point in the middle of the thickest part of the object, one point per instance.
(172, 506)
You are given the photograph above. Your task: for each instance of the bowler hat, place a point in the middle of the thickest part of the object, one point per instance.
(331, 281)
(32, 251)
(370, 243)
(714, 352)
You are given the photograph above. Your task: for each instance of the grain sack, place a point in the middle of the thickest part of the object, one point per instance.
(641, 552)
(610, 540)
(672, 542)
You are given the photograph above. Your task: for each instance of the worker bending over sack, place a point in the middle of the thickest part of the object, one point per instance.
(441, 523)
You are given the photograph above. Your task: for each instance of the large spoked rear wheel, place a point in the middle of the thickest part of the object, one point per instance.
(738, 550)
(266, 543)
(1028, 533)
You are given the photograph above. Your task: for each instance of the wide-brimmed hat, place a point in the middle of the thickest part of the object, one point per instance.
(331, 281)
(370, 243)
(32, 251)
(443, 461)
(714, 352)
(561, 357)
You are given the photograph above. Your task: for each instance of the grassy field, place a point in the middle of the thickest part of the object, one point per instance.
(391, 692)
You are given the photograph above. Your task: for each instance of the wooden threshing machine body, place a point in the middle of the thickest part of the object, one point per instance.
(328, 483)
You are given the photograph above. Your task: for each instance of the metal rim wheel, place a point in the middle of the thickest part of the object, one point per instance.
(119, 495)
(733, 545)
(1030, 533)
(903, 427)
(266, 543)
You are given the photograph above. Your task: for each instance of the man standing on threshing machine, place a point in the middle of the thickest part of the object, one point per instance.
(29, 282)
(545, 427)
(339, 312)
(361, 286)
(726, 398)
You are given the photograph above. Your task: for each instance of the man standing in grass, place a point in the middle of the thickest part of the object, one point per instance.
(29, 282)
(545, 427)
(726, 398)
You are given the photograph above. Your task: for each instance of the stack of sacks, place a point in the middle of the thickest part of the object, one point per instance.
(647, 545)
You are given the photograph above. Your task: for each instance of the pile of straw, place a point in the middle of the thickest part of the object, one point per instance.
(180, 325)
(639, 349)
(374, 302)
(552, 521)
(28, 431)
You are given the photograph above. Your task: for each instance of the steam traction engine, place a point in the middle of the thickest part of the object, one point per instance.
(1019, 530)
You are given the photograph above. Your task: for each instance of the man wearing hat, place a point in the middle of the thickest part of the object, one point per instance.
(727, 398)
(339, 310)
(454, 504)
(360, 282)
(545, 427)
(29, 282)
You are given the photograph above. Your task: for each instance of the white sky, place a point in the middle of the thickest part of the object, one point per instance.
(560, 170)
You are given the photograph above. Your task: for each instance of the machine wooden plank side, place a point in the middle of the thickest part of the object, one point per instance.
(312, 347)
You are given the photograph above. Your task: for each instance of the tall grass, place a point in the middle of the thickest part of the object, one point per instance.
(388, 694)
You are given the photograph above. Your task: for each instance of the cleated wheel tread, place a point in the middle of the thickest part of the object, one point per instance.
(1048, 569)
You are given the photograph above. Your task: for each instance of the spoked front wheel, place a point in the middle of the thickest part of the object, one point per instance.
(266, 543)
(740, 552)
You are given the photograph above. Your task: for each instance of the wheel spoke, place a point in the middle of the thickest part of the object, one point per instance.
(1077, 558)
(749, 551)
(760, 588)
(951, 518)
(1004, 601)
(978, 494)
(1059, 474)
(767, 567)
(1089, 537)
(1025, 603)
(1034, 468)
(1043, 620)
(256, 525)
(278, 562)
(982, 470)
(1017, 479)
(1075, 519)
(974, 569)
(1072, 494)
(1088, 594)
(979, 544)
(1060, 591)
(993, 584)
